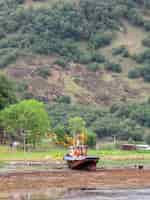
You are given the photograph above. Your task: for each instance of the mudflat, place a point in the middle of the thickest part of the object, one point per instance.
(102, 178)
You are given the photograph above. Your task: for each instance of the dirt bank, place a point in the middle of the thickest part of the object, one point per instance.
(117, 178)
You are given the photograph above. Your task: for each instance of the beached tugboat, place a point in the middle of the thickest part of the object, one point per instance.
(77, 157)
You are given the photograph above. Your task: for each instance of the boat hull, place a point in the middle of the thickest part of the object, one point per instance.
(84, 163)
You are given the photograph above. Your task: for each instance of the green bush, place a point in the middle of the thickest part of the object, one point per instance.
(61, 62)
(64, 99)
(147, 138)
(93, 67)
(122, 50)
(135, 17)
(91, 138)
(114, 67)
(43, 72)
(143, 57)
(135, 73)
(146, 73)
(141, 72)
(96, 57)
(85, 58)
(7, 92)
(100, 40)
(22, 86)
(147, 25)
(8, 58)
(146, 42)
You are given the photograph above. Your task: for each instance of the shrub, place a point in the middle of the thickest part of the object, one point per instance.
(147, 25)
(141, 72)
(93, 67)
(143, 57)
(8, 58)
(85, 58)
(91, 141)
(22, 86)
(135, 17)
(100, 40)
(43, 72)
(122, 50)
(146, 42)
(146, 73)
(147, 138)
(64, 99)
(61, 62)
(136, 135)
(98, 58)
(134, 73)
(114, 67)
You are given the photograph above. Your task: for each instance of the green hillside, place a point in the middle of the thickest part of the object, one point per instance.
(92, 46)
(87, 58)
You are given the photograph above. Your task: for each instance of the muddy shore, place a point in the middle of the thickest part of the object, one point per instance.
(116, 178)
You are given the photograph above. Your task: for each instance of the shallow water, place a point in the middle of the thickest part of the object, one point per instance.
(82, 194)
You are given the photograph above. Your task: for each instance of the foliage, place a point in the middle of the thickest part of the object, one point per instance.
(91, 138)
(61, 27)
(147, 25)
(64, 99)
(101, 122)
(137, 112)
(7, 92)
(135, 17)
(93, 66)
(76, 125)
(60, 133)
(114, 67)
(141, 72)
(146, 42)
(134, 73)
(85, 58)
(100, 40)
(143, 57)
(122, 50)
(61, 62)
(98, 58)
(27, 117)
(147, 138)
(43, 72)
(8, 56)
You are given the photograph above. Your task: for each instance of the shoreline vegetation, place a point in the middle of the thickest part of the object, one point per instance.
(113, 158)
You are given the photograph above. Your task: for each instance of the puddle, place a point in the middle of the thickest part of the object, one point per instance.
(80, 194)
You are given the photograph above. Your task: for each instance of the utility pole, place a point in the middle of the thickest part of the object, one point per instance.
(24, 140)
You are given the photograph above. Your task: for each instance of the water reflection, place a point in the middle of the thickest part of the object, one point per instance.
(82, 194)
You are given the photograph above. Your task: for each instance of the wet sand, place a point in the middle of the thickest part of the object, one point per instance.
(104, 179)
(62, 194)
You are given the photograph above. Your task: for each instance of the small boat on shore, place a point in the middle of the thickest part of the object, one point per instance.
(77, 158)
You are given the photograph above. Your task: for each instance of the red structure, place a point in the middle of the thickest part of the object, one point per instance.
(128, 147)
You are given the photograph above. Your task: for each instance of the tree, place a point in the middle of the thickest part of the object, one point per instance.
(7, 92)
(147, 138)
(76, 125)
(91, 138)
(78, 130)
(26, 119)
